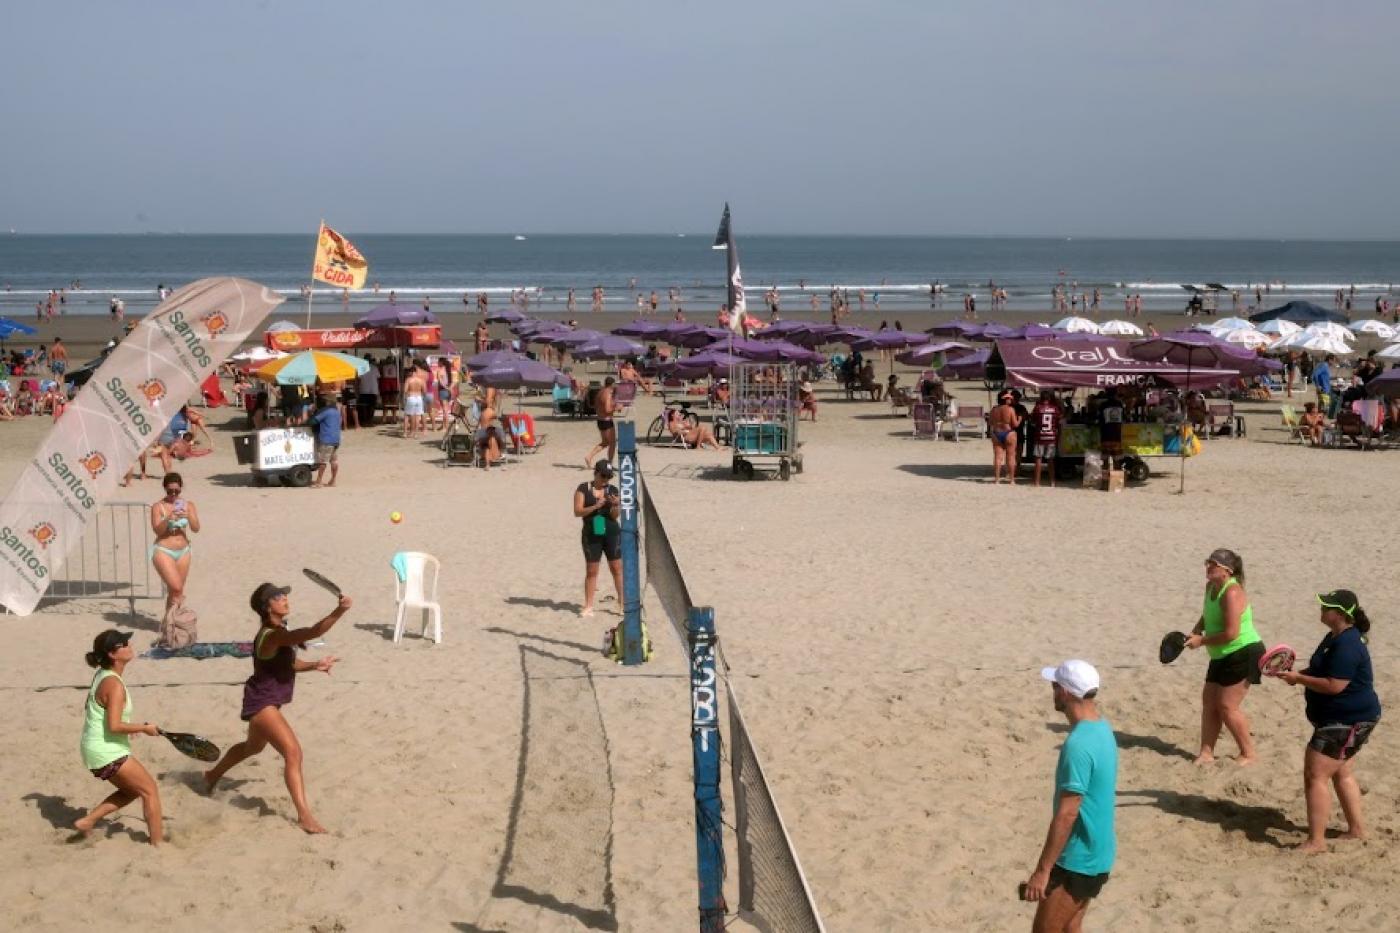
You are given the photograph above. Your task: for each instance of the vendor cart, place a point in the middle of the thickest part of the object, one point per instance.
(763, 405)
(287, 455)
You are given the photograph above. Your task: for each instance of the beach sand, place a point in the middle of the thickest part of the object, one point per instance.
(885, 614)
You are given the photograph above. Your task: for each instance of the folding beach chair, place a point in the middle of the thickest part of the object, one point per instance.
(927, 420)
(624, 394)
(1294, 424)
(967, 418)
(522, 430)
(1222, 415)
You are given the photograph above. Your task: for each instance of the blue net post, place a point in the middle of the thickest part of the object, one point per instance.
(629, 488)
(704, 735)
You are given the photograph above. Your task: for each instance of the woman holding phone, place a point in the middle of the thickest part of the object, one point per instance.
(599, 505)
(173, 519)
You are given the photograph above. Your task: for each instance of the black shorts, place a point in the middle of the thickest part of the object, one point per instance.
(596, 547)
(1340, 740)
(1080, 887)
(1236, 666)
(604, 424)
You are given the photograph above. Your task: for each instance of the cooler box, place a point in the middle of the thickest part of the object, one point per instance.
(760, 439)
(245, 448)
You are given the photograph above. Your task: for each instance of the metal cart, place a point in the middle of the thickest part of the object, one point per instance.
(763, 405)
(284, 454)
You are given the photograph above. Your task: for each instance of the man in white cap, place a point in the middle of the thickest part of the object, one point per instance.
(1079, 847)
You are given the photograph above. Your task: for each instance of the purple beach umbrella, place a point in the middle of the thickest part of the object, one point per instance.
(962, 329)
(491, 358)
(505, 316)
(571, 338)
(694, 336)
(395, 316)
(707, 363)
(640, 328)
(520, 374)
(929, 353)
(890, 340)
(1184, 348)
(607, 347)
(969, 366)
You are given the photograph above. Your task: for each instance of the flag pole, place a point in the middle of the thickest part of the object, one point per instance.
(311, 288)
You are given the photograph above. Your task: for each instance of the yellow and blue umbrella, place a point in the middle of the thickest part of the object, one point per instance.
(312, 366)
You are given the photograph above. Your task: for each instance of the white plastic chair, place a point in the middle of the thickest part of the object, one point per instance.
(418, 591)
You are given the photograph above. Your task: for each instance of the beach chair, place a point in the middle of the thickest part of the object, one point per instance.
(563, 401)
(417, 589)
(1222, 415)
(624, 394)
(927, 421)
(1294, 424)
(522, 430)
(967, 418)
(900, 398)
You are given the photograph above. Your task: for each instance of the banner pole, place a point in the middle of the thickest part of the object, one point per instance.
(705, 746)
(311, 289)
(629, 487)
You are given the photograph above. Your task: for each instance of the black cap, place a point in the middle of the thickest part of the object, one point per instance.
(1343, 601)
(109, 641)
(264, 594)
(603, 468)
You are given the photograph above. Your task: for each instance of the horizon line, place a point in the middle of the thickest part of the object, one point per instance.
(1253, 238)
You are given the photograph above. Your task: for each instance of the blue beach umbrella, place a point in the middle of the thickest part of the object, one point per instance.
(15, 327)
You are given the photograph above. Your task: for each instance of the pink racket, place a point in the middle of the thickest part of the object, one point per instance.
(1276, 660)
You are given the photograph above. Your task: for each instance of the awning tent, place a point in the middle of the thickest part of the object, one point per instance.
(1054, 364)
(1299, 312)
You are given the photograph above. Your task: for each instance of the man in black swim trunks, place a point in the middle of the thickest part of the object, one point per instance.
(604, 407)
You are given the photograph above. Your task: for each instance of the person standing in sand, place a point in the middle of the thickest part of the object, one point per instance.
(1343, 708)
(1004, 422)
(173, 519)
(1226, 629)
(275, 668)
(415, 391)
(106, 741)
(599, 505)
(1080, 845)
(604, 408)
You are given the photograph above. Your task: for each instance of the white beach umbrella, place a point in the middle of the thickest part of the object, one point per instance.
(1076, 325)
(1120, 329)
(1245, 337)
(1323, 345)
(1391, 352)
(1279, 327)
(1232, 323)
(1379, 328)
(258, 355)
(1329, 329)
(280, 326)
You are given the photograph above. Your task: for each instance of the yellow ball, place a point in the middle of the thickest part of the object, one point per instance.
(395, 517)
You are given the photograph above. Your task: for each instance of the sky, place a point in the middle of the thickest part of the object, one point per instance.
(1112, 118)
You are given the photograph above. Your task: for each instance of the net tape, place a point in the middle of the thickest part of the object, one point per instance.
(773, 891)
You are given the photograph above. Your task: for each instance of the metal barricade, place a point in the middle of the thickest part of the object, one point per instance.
(110, 562)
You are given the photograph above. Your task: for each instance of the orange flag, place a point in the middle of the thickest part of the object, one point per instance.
(338, 262)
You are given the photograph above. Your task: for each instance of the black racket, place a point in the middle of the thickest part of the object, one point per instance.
(196, 746)
(321, 581)
(1173, 643)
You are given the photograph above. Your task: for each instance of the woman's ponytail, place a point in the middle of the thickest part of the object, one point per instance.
(92, 659)
(1360, 620)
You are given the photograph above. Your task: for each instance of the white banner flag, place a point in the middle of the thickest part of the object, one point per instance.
(122, 409)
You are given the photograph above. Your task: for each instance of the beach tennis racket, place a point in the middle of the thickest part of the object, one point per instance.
(1173, 643)
(321, 581)
(1276, 660)
(195, 746)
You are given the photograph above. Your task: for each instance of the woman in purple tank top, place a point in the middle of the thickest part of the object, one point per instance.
(275, 668)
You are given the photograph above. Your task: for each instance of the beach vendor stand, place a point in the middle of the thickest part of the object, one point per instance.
(285, 455)
(288, 454)
(1053, 364)
(763, 405)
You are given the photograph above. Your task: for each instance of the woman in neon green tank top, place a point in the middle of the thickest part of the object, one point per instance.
(106, 741)
(1226, 630)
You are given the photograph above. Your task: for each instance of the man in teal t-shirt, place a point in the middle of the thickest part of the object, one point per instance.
(1079, 846)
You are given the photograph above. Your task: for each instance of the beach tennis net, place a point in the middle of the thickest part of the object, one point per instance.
(773, 891)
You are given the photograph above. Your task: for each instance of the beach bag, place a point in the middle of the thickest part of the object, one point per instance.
(1190, 442)
(615, 650)
(179, 628)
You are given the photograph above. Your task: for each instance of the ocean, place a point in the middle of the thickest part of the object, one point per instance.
(900, 270)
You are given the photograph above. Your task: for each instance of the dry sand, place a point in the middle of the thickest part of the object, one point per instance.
(886, 614)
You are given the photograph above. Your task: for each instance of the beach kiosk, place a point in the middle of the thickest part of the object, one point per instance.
(1055, 364)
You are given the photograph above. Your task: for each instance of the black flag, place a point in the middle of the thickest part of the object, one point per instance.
(724, 240)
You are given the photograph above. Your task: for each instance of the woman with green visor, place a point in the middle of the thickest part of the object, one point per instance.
(1226, 630)
(1343, 708)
